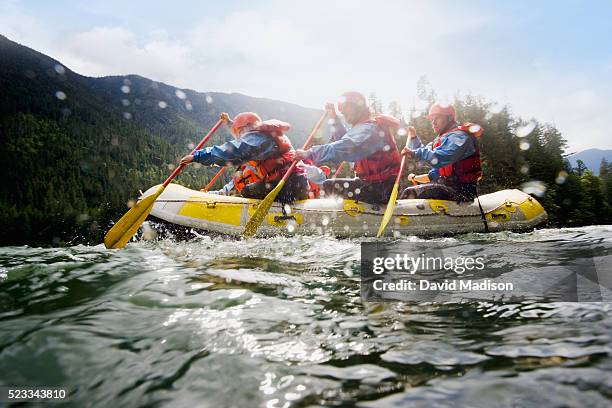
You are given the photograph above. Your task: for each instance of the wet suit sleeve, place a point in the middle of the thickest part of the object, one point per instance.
(455, 146)
(252, 146)
(358, 143)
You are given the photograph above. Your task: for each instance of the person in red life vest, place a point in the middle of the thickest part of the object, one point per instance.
(369, 143)
(263, 154)
(454, 156)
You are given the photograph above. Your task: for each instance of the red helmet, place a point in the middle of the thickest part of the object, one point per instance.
(325, 170)
(243, 119)
(441, 110)
(354, 98)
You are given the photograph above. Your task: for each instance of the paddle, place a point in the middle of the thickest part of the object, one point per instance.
(126, 227)
(393, 198)
(338, 170)
(212, 181)
(264, 206)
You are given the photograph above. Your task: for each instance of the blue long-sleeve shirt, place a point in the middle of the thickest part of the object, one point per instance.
(357, 143)
(456, 146)
(251, 146)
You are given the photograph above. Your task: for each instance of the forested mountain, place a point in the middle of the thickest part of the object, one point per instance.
(76, 149)
(591, 158)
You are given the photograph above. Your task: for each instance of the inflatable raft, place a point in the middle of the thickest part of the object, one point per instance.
(503, 210)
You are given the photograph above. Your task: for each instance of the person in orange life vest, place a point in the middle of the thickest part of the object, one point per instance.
(263, 145)
(369, 143)
(454, 156)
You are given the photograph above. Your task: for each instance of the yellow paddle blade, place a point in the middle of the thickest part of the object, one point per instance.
(128, 225)
(262, 210)
(388, 211)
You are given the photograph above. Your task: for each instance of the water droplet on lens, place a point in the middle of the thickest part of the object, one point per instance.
(561, 177)
(125, 89)
(346, 184)
(524, 169)
(434, 161)
(127, 115)
(534, 187)
(524, 146)
(188, 106)
(60, 95)
(209, 99)
(496, 108)
(526, 130)
(474, 128)
(287, 209)
(190, 145)
(125, 102)
(402, 132)
(180, 94)
(60, 69)
(325, 220)
(162, 104)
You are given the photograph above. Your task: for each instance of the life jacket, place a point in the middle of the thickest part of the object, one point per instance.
(468, 170)
(273, 168)
(385, 163)
(248, 173)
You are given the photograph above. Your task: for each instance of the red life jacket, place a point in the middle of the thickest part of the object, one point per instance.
(383, 164)
(468, 170)
(273, 168)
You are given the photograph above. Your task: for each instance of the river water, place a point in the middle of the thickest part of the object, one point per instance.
(279, 322)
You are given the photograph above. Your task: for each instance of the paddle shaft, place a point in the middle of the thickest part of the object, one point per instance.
(212, 181)
(338, 170)
(264, 206)
(392, 200)
(306, 144)
(180, 168)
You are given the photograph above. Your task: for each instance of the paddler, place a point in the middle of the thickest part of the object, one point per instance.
(454, 156)
(369, 143)
(262, 152)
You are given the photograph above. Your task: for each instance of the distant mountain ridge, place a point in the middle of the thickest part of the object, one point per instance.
(77, 148)
(591, 158)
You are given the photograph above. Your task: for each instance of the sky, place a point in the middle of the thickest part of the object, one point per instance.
(548, 60)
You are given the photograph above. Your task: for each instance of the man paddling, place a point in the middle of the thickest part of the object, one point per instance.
(262, 148)
(369, 143)
(454, 156)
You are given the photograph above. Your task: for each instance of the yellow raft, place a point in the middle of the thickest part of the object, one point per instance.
(503, 210)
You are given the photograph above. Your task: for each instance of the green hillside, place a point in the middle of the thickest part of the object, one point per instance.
(77, 149)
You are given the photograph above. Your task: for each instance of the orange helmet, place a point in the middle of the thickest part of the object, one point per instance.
(354, 98)
(243, 119)
(441, 110)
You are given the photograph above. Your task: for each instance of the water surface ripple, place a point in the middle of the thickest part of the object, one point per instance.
(279, 322)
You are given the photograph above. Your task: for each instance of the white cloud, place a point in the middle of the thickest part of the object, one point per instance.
(114, 50)
(310, 52)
